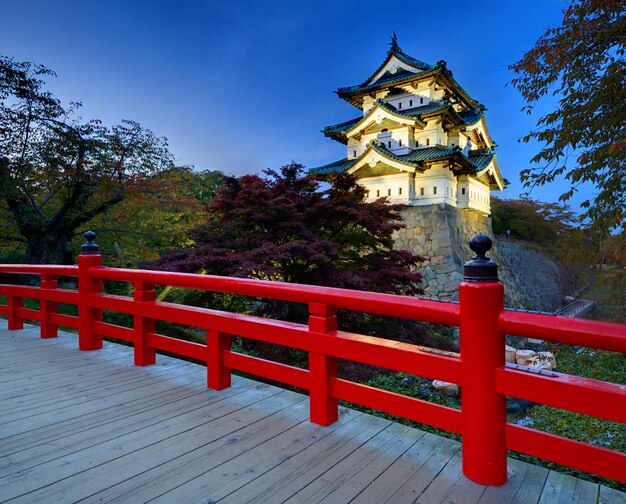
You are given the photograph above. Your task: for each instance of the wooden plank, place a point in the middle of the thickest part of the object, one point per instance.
(68, 364)
(148, 398)
(559, 489)
(586, 492)
(451, 486)
(209, 448)
(611, 496)
(229, 476)
(31, 387)
(187, 407)
(402, 470)
(384, 458)
(106, 431)
(70, 401)
(283, 481)
(150, 432)
(98, 381)
(388, 444)
(12, 345)
(117, 470)
(424, 475)
(525, 484)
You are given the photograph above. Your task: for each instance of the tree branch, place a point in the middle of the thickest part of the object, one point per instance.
(13, 238)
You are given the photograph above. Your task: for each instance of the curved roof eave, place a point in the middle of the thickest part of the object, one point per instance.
(389, 113)
(355, 91)
(404, 58)
(390, 159)
(500, 182)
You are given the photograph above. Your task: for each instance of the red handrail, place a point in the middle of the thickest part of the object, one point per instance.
(479, 369)
(369, 302)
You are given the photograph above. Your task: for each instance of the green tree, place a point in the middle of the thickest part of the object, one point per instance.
(532, 220)
(58, 172)
(159, 218)
(582, 63)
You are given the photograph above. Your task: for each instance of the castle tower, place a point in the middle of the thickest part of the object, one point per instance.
(420, 138)
(421, 141)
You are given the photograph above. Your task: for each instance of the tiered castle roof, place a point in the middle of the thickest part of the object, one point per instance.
(448, 104)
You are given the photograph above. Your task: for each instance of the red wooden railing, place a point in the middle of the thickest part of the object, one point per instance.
(480, 370)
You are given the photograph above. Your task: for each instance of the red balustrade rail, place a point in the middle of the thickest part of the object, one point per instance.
(480, 368)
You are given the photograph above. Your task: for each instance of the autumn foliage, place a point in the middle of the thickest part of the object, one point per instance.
(293, 227)
(583, 140)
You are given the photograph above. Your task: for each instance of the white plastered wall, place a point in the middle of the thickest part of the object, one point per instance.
(435, 185)
(397, 188)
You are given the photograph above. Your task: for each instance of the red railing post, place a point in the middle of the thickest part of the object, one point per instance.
(324, 407)
(47, 308)
(218, 375)
(87, 316)
(144, 354)
(481, 298)
(14, 303)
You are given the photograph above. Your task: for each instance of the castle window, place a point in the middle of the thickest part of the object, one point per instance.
(428, 141)
(421, 191)
(367, 194)
(353, 153)
(399, 105)
(389, 143)
(378, 193)
(463, 190)
(388, 192)
(421, 100)
(384, 130)
(400, 143)
(399, 191)
(434, 189)
(410, 103)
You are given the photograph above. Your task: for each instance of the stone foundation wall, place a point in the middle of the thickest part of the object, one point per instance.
(441, 234)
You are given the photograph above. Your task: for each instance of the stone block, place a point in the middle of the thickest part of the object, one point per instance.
(445, 268)
(451, 286)
(544, 360)
(525, 357)
(437, 260)
(441, 234)
(509, 354)
(449, 389)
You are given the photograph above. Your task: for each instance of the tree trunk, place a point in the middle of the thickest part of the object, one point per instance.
(48, 248)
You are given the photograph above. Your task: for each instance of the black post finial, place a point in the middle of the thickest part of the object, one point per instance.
(480, 268)
(89, 248)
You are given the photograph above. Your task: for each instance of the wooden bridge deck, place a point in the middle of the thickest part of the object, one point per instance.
(91, 427)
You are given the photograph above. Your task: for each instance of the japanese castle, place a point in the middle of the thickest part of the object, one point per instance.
(420, 140)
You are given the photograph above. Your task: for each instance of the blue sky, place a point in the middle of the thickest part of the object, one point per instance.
(240, 86)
